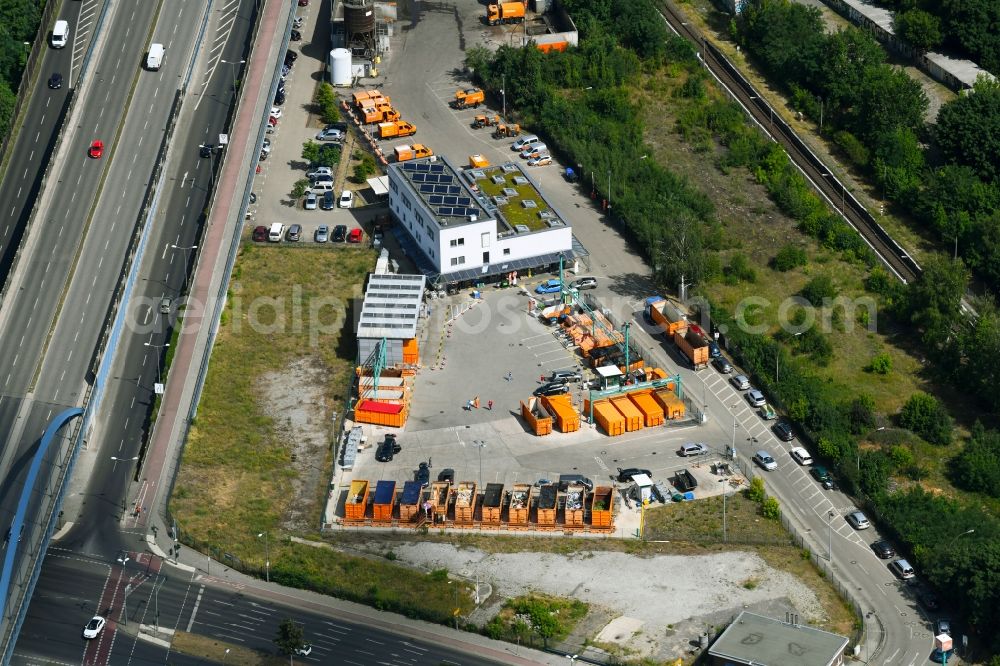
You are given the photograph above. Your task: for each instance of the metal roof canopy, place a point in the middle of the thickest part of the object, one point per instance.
(609, 371)
(379, 185)
(391, 307)
(755, 639)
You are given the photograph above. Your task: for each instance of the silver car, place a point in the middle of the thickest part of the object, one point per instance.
(764, 459)
(322, 234)
(756, 398)
(310, 203)
(740, 382)
(858, 520)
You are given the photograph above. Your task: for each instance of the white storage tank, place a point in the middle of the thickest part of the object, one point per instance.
(340, 67)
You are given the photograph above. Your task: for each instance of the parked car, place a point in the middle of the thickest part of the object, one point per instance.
(713, 349)
(259, 234)
(346, 199)
(294, 233)
(541, 160)
(165, 305)
(902, 569)
(305, 650)
(584, 283)
(930, 601)
(783, 431)
(722, 365)
(327, 203)
(756, 398)
(339, 234)
(279, 97)
(320, 171)
(447, 475)
(563, 376)
(94, 627)
(858, 520)
(740, 382)
(625, 475)
(883, 549)
(322, 234)
(423, 475)
(310, 201)
(801, 456)
(552, 388)
(822, 475)
(291, 56)
(295, 36)
(692, 449)
(767, 412)
(764, 459)
(388, 448)
(553, 286)
(354, 235)
(275, 111)
(330, 135)
(566, 480)
(942, 626)
(206, 149)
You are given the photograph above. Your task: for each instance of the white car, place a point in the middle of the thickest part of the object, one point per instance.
(756, 398)
(304, 651)
(346, 199)
(801, 456)
(310, 202)
(94, 627)
(276, 111)
(319, 171)
(266, 146)
(764, 459)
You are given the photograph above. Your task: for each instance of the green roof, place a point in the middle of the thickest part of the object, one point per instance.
(513, 212)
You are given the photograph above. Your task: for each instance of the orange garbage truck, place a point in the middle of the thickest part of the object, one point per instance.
(505, 12)
(468, 98)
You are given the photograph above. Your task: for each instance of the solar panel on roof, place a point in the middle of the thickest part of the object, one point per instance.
(409, 166)
(454, 189)
(423, 166)
(471, 211)
(437, 168)
(426, 189)
(440, 189)
(444, 210)
(445, 178)
(435, 199)
(419, 177)
(464, 201)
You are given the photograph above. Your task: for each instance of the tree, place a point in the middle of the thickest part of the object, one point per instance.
(771, 509)
(819, 290)
(977, 467)
(326, 103)
(968, 129)
(920, 29)
(889, 99)
(861, 413)
(933, 302)
(290, 636)
(789, 257)
(926, 416)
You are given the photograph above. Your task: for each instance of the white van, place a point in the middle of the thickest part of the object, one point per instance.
(523, 142)
(60, 34)
(275, 232)
(322, 186)
(155, 57)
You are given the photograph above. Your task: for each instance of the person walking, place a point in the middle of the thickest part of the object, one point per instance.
(510, 375)
(489, 405)
(476, 402)
(468, 406)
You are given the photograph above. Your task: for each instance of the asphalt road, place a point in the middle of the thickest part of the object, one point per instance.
(74, 587)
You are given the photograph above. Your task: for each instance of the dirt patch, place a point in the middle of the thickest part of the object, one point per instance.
(294, 400)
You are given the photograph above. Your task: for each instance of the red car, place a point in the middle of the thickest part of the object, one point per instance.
(354, 236)
(272, 121)
(96, 149)
(303, 3)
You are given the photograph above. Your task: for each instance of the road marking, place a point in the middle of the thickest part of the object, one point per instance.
(194, 611)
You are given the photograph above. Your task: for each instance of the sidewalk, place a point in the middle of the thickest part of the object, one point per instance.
(167, 438)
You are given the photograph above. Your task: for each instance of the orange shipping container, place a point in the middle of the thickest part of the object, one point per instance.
(567, 419)
(609, 418)
(411, 352)
(537, 416)
(465, 502)
(410, 501)
(357, 501)
(673, 407)
(440, 494)
(520, 504)
(651, 410)
(390, 414)
(601, 507)
(385, 497)
(631, 414)
(492, 503)
(576, 500)
(547, 497)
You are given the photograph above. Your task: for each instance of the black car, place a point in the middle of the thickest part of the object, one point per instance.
(55, 81)
(884, 549)
(291, 56)
(279, 98)
(423, 475)
(783, 430)
(625, 475)
(552, 388)
(387, 449)
(821, 474)
(339, 234)
(296, 36)
(447, 475)
(328, 201)
(206, 149)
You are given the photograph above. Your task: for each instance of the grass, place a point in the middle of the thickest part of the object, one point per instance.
(701, 522)
(513, 211)
(537, 616)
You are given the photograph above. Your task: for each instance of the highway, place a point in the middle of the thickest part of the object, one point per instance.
(73, 587)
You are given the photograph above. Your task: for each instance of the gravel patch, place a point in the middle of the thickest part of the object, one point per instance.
(661, 592)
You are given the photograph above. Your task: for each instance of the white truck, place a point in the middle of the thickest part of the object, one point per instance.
(60, 34)
(154, 58)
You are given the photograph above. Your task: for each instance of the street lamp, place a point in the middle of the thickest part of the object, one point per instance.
(235, 64)
(481, 445)
(968, 531)
(267, 558)
(733, 447)
(225, 657)
(116, 461)
(572, 658)
(724, 496)
(158, 348)
(829, 537)
(185, 250)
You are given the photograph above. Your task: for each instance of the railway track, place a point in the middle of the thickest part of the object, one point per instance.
(899, 262)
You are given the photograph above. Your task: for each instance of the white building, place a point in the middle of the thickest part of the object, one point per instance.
(476, 224)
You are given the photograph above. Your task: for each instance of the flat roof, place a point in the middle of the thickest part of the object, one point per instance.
(391, 307)
(756, 639)
(445, 194)
(514, 197)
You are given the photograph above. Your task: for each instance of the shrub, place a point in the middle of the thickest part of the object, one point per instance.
(926, 416)
(300, 187)
(819, 289)
(755, 493)
(881, 364)
(788, 258)
(739, 270)
(771, 509)
(977, 467)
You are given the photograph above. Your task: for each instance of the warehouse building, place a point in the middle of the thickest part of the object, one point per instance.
(764, 641)
(482, 225)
